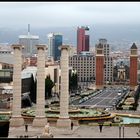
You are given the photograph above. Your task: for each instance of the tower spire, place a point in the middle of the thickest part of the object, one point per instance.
(28, 29)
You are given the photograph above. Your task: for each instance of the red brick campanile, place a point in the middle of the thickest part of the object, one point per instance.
(133, 66)
(99, 67)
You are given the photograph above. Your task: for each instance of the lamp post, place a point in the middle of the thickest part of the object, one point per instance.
(119, 130)
(54, 89)
(123, 131)
(138, 133)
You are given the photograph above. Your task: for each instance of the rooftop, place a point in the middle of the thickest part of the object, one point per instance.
(7, 58)
(26, 73)
(29, 37)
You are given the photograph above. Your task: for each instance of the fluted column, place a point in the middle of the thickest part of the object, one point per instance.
(64, 120)
(16, 119)
(40, 119)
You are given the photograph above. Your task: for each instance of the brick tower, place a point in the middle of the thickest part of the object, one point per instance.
(133, 66)
(99, 67)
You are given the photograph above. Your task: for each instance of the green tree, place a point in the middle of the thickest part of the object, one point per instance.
(73, 81)
(138, 65)
(49, 84)
(139, 77)
(115, 72)
(33, 89)
(137, 94)
(127, 71)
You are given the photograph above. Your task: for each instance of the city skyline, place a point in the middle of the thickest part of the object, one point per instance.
(115, 21)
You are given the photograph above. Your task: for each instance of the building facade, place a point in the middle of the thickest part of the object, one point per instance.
(84, 64)
(54, 41)
(52, 70)
(106, 47)
(29, 42)
(50, 45)
(86, 42)
(82, 39)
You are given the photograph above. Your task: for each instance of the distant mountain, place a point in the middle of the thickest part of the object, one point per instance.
(116, 34)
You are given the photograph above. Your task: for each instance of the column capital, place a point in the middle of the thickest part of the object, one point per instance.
(42, 46)
(67, 47)
(17, 46)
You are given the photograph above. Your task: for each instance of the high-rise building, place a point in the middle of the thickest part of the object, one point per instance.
(133, 66)
(29, 42)
(86, 42)
(57, 43)
(54, 41)
(106, 47)
(50, 45)
(82, 39)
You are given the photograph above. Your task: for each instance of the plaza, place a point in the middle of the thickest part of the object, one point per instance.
(82, 131)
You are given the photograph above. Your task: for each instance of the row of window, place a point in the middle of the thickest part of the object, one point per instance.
(82, 58)
(79, 62)
(4, 52)
(7, 67)
(85, 79)
(89, 59)
(84, 73)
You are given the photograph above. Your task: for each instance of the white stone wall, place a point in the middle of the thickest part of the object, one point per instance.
(50, 71)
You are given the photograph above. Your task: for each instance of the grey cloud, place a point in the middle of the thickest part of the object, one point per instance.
(68, 13)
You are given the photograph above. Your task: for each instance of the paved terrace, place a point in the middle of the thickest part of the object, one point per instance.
(82, 131)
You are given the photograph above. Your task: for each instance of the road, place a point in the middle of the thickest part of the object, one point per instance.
(106, 98)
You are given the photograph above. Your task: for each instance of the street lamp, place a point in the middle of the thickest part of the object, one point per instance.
(138, 133)
(123, 131)
(119, 130)
(119, 93)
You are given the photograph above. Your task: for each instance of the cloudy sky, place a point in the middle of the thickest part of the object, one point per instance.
(56, 14)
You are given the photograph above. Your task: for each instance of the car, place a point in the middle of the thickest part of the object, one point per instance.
(80, 101)
(72, 94)
(77, 93)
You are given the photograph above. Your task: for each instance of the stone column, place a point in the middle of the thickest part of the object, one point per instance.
(16, 119)
(40, 119)
(64, 120)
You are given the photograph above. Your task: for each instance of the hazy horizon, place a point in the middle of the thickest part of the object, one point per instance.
(115, 21)
(111, 33)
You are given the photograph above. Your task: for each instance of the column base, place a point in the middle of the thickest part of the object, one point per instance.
(99, 86)
(16, 121)
(75, 122)
(133, 87)
(64, 123)
(39, 122)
